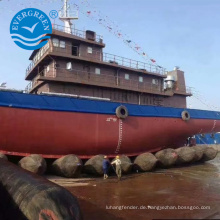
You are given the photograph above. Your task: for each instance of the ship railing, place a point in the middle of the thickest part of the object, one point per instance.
(98, 55)
(189, 90)
(76, 32)
(102, 79)
(30, 67)
(37, 57)
(35, 81)
(122, 61)
(28, 87)
(183, 89)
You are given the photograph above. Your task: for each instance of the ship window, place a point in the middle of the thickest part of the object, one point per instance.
(62, 44)
(48, 68)
(155, 81)
(75, 50)
(97, 71)
(89, 49)
(141, 79)
(55, 42)
(127, 76)
(69, 66)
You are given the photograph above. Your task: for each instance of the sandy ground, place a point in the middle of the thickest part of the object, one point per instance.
(190, 192)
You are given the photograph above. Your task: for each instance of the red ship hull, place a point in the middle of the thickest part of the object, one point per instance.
(55, 133)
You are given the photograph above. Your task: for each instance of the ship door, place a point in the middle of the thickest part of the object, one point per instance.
(75, 49)
(86, 70)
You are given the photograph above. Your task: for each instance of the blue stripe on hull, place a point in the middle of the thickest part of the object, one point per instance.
(69, 104)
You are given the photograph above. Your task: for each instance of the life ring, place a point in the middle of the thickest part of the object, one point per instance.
(122, 112)
(185, 115)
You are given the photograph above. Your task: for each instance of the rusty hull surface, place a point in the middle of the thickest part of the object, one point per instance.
(196, 185)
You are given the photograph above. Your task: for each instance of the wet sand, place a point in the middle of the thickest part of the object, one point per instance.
(171, 190)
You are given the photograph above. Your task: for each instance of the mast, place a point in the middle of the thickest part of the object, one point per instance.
(66, 15)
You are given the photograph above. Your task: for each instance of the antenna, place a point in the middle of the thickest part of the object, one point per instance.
(66, 15)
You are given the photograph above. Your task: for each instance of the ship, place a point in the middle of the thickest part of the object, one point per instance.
(86, 102)
(208, 139)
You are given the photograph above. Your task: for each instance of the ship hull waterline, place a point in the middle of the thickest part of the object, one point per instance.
(55, 133)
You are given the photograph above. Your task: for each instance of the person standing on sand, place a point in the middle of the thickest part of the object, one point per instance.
(105, 167)
(117, 162)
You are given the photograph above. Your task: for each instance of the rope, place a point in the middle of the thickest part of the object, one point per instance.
(95, 15)
(91, 13)
(197, 95)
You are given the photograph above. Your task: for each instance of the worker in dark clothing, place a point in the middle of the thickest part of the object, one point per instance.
(105, 166)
